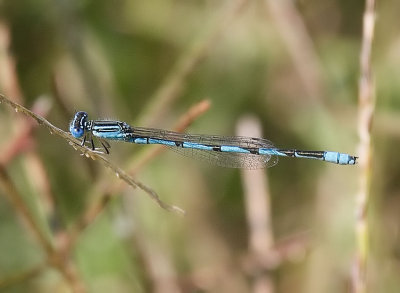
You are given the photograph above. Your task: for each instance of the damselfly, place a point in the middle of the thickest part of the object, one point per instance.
(226, 151)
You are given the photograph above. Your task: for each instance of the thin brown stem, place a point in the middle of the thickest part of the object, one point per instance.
(21, 277)
(17, 201)
(174, 83)
(89, 153)
(299, 44)
(258, 211)
(365, 117)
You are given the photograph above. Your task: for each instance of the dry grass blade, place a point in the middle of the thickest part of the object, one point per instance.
(366, 102)
(76, 144)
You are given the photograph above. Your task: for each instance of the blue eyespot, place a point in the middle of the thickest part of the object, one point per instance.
(78, 124)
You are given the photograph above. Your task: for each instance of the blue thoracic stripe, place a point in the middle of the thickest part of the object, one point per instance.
(115, 135)
(233, 151)
(106, 128)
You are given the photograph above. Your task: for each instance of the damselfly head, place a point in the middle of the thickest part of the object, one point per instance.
(78, 124)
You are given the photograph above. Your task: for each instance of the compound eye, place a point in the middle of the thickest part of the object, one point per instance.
(76, 132)
(78, 124)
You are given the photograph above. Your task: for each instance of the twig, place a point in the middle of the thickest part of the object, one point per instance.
(365, 117)
(8, 77)
(55, 257)
(22, 140)
(68, 270)
(299, 45)
(20, 277)
(16, 199)
(175, 80)
(76, 144)
(157, 265)
(258, 211)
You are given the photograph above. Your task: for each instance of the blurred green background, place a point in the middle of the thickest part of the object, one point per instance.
(294, 65)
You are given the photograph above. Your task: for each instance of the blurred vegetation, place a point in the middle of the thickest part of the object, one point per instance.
(295, 68)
